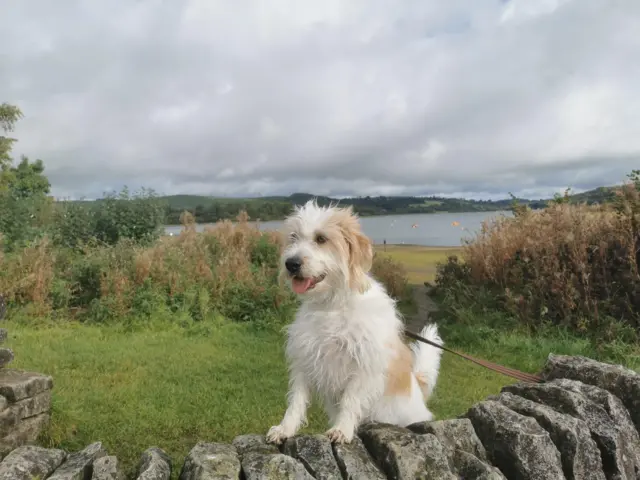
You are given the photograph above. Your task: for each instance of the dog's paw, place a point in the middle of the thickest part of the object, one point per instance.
(338, 436)
(277, 435)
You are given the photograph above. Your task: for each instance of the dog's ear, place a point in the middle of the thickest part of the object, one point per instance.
(360, 251)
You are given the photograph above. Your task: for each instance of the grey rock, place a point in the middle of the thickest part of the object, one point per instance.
(470, 467)
(616, 410)
(622, 382)
(354, 461)
(571, 436)
(617, 458)
(11, 416)
(4, 403)
(253, 443)
(258, 466)
(403, 454)
(30, 462)
(316, 454)
(79, 465)
(6, 356)
(18, 384)
(3, 335)
(9, 419)
(107, 468)
(516, 444)
(454, 434)
(262, 461)
(26, 432)
(467, 456)
(35, 405)
(155, 464)
(211, 461)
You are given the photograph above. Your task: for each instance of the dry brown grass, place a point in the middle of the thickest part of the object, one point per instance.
(229, 269)
(568, 264)
(392, 274)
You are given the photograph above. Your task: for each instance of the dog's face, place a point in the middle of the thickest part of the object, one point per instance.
(325, 249)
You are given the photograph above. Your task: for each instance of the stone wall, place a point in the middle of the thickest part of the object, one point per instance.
(582, 423)
(25, 400)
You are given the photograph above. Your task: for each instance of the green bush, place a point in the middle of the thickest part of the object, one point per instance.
(138, 217)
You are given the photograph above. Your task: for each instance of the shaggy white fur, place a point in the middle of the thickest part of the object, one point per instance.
(346, 343)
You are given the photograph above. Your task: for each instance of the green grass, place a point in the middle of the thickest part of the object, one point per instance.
(167, 386)
(171, 386)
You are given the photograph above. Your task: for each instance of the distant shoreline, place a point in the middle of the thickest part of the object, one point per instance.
(392, 214)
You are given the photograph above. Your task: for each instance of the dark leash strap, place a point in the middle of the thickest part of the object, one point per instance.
(510, 372)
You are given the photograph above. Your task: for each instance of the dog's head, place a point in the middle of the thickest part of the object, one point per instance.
(325, 250)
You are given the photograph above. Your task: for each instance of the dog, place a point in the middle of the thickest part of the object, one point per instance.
(345, 344)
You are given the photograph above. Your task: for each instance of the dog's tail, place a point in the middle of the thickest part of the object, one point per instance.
(426, 360)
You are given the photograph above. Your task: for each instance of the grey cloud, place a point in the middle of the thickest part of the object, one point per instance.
(364, 97)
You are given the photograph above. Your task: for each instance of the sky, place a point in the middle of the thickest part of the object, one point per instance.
(473, 98)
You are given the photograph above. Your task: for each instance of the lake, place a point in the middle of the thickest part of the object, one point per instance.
(429, 229)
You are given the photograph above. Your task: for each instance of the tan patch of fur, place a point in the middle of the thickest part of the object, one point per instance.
(424, 385)
(399, 372)
(358, 248)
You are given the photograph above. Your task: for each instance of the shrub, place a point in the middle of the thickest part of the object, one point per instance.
(393, 275)
(230, 269)
(138, 217)
(569, 265)
(23, 220)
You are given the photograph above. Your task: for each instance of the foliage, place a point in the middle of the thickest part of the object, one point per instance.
(138, 217)
(392, 274)
(27, 180)
(571, 265)
(24, 205)
(230, 269)
(9, 116)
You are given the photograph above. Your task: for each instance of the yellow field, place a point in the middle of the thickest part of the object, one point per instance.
(419, 261)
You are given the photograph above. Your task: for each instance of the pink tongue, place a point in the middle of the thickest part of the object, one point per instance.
(301, 286)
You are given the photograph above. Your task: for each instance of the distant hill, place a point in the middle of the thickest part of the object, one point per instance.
(597, 195)
(209, 209)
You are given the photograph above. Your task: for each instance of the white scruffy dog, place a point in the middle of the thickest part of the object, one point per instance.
(346, 343)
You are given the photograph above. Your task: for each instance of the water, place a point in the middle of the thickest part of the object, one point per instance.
(431, 229)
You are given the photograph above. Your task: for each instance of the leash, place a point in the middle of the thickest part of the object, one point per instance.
(510, 372)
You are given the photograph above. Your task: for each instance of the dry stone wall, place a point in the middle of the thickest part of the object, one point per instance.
(25, 400)
(582, 423)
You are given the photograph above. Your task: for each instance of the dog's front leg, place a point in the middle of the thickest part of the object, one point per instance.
(357, 400)
(296, 413)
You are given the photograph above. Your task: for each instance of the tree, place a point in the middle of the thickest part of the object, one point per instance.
(9, 115)
(23, 188)
(27, 179)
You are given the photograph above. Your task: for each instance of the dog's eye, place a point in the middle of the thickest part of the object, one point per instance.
(321, 239)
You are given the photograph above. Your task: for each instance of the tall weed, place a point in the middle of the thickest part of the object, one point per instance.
(569, 265)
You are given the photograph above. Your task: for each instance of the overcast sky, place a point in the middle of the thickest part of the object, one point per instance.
(237, 97)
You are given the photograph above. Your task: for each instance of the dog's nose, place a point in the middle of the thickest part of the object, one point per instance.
(293, 265)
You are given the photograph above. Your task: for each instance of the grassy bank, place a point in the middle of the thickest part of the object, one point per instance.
(171, 383)
(419, 261)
